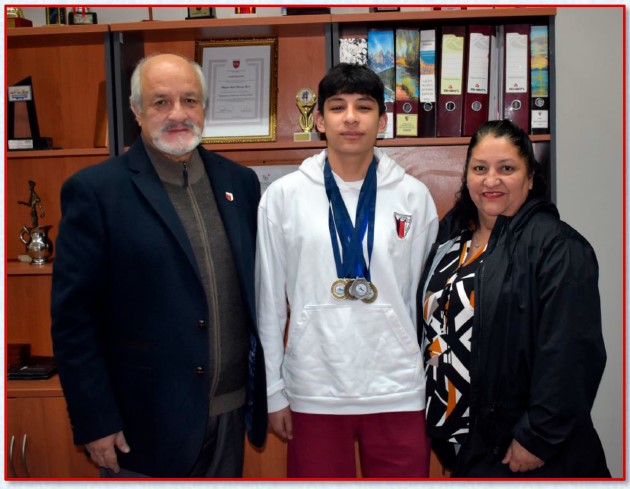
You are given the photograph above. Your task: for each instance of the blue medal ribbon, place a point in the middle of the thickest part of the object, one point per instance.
(350, 261)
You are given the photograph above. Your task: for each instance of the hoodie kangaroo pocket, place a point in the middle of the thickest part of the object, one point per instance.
(350, 351)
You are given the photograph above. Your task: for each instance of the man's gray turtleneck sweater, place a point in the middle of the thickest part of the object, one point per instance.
(190, 192)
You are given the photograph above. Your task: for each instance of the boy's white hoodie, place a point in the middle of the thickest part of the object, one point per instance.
(342, 356)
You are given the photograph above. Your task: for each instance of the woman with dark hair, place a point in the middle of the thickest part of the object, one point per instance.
(512, 341)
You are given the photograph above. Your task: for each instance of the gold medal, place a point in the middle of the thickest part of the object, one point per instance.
(372, 294)
(338, 289)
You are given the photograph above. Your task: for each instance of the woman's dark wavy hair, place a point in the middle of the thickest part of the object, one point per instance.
(346, 78)
(465, 209)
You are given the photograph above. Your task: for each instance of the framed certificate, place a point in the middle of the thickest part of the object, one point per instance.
(242, 77)
(200, 13)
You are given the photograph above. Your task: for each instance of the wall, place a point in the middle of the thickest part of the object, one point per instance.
(589, 164)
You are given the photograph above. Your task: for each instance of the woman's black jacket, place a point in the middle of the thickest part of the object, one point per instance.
(537, 352)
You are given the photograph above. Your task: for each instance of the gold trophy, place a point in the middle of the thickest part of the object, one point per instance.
(306, 100)
(15, 18)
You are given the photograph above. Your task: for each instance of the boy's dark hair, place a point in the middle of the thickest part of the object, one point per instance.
(465, 208)
(346, 78)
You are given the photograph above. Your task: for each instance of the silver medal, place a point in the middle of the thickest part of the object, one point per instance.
(359, 288)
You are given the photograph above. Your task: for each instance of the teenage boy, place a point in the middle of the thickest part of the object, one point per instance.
(343, 241)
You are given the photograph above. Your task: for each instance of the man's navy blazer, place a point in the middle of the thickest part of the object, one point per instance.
(128, 308)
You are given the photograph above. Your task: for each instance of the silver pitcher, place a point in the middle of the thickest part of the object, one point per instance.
(38, 246)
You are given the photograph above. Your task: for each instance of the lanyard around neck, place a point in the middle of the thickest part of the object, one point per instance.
(350, 261)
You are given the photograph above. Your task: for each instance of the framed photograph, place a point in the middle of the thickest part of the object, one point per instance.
(200, 13)
(55, 16)
(242, 79)
(82, 18)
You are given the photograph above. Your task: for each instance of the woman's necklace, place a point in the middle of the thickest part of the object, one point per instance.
(478, 243)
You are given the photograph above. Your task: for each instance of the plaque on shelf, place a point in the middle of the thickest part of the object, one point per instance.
(22, 126)
(56, 16)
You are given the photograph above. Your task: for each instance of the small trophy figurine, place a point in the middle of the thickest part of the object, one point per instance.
(35, 238)
(305, 100)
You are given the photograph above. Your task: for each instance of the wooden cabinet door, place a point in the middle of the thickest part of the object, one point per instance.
(27, 454)
(40, 432)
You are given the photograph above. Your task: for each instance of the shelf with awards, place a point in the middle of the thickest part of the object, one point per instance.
(306, 48)
(303, 47)
(67, 69)
(62, 77)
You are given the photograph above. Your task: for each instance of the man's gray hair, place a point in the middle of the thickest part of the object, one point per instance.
(135, 99)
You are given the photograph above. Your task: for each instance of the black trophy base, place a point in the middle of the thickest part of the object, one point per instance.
(27, 144)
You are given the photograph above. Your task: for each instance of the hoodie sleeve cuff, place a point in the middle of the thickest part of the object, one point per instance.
(276, 402)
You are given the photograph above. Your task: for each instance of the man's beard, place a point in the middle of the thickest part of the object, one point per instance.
(184, 143)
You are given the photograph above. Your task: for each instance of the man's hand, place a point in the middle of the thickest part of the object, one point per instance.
(280, 422)
(103, 453)
(520, 459)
